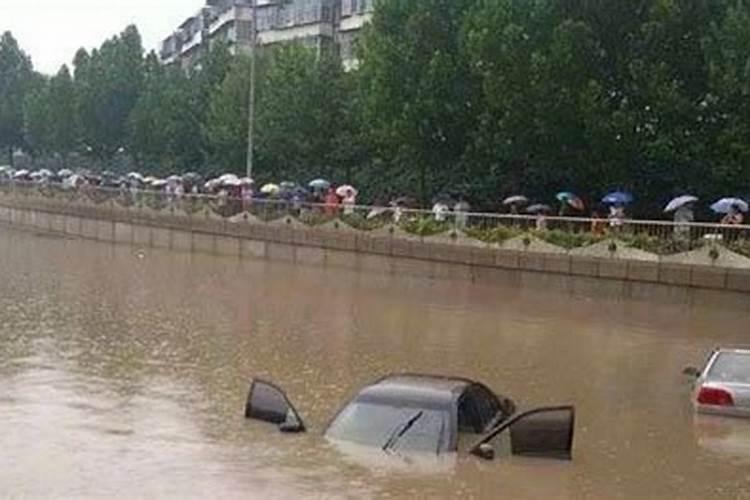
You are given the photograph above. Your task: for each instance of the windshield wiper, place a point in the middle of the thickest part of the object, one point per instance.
(401, 430)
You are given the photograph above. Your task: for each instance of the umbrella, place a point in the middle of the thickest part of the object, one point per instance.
(571, 199)
(45, 173)
(320, 185)
(618, 198)
(680, 202)
(515, 200)
(157, 183)
(538, 209)
(73, 181)
(246, 181)
(270, 189)
(344, 191)
(65, 173)
(724, 205)
(20, 174)
(136, 176)
(174, 178)
(229, 180)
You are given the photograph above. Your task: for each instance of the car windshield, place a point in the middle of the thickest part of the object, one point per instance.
(374, 424)
(731, 367)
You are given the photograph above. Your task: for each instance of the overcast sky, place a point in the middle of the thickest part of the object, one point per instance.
(51, 31)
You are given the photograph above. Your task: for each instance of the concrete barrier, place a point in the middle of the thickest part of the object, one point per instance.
(383, 253)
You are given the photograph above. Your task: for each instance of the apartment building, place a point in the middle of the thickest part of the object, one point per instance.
(316, 23)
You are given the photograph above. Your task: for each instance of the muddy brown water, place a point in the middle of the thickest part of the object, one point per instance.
(124, 372)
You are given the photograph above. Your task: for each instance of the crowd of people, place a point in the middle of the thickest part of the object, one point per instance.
(236, 193)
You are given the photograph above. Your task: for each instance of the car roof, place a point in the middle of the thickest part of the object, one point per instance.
(426, 391)
(735, 349)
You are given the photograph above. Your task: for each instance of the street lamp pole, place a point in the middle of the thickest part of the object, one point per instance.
(251, 103)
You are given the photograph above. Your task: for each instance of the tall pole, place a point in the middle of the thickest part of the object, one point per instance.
(251, 103)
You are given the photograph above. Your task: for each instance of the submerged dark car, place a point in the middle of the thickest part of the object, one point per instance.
(426, 413)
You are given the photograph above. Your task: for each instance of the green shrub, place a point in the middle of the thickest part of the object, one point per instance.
(424, 226)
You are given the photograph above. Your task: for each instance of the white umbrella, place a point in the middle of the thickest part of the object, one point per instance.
(270, 189)
(236, 182)
(345, 191)
(516, 200)
(158, 183)
(135, 175)
(247, 181)
(724, 205)
(65, 173)
(228, 178)
(679, 202)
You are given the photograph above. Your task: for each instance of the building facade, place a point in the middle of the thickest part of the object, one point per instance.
(315, 23)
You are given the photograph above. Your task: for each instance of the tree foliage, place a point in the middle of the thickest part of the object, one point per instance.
(484, 97)
(16, 80)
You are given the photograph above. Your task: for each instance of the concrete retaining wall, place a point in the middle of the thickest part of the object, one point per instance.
(344, 248)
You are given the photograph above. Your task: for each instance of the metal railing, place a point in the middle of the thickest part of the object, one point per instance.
(659, 237)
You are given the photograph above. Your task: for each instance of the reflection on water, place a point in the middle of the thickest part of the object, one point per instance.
(124, 373)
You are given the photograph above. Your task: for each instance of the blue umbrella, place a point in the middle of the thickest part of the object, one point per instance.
(724, 205)
(618, 198)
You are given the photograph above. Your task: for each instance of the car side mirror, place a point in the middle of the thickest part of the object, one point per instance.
(692, 372)
(485, 451)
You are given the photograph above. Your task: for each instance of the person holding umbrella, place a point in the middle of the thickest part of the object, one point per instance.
(733, 208)
(617, 201)
(514, 203)
(569, 200)
(684, 214)
(348, 197)
(331, 202)
(734, 216)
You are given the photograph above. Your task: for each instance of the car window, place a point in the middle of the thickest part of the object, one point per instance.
(373, 424)
(477, 409)
(730, 367)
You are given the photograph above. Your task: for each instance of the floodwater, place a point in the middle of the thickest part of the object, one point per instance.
(123, 373)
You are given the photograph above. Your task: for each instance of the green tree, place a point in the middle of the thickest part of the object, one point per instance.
(164, 126)
(16, 77)
(418, 95)
(37, 121)
(225, 127)
(300, 113)
(726, 107)
(108, 82)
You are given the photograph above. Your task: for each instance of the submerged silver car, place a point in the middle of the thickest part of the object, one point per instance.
(722, 387)
(427, 413)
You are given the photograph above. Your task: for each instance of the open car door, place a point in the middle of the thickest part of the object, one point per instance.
(268, 403)
(543, 432)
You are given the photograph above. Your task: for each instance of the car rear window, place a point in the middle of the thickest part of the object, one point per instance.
(731, 367)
